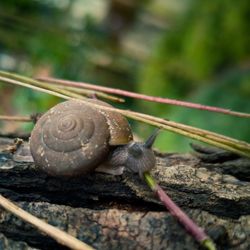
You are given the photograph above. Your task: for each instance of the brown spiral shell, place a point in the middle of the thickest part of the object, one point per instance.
(73, 138)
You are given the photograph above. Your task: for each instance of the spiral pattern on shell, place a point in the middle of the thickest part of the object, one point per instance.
(70, 139)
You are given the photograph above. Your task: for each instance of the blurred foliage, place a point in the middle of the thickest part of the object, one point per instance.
(230, 90)
(185, 49)
(210, 39)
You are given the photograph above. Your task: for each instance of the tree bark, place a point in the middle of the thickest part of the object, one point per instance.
(111, 212)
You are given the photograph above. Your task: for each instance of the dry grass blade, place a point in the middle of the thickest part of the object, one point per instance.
(91, 93)
(15, 118)
(57, 234)
(38, 84)
(27, 85)
(236, 146)
(64, 91)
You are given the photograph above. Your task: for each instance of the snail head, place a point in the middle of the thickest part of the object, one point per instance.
(139, 155)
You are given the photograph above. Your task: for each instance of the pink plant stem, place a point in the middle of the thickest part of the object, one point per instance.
(190, 226)
(143, 97)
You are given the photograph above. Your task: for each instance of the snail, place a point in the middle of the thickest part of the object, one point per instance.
(73, 139)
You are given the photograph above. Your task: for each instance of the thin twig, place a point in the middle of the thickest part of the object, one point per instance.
(197, 232)
(143, 97)
(60, 236)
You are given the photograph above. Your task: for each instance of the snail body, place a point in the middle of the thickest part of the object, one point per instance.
(73, 139)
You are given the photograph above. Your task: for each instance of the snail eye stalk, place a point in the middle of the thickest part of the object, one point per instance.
(150, 141)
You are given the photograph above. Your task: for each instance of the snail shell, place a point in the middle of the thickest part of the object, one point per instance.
(73, 138)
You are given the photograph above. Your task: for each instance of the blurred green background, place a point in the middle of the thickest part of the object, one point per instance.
(184, 49)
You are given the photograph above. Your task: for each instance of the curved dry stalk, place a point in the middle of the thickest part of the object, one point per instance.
(60, 236)
(217, 140)
(143, 97)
